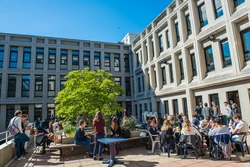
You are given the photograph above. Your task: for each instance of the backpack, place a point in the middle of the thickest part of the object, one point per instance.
(126, 133)
(13, 129)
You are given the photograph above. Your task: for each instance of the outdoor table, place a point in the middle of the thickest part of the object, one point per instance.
(111, 142)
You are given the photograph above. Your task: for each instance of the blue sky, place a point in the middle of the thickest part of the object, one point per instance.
(97, 20)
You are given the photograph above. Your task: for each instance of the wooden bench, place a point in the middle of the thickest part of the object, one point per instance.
(72, 149)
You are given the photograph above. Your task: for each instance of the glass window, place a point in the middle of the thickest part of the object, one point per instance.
(117, 62)
(10, 110)
(13, 57)
(146, 52)
(97, 60)
(158, 104)
(26, 57)
(1, 55)
(127, 86)
(62, 82)
(238, 2)
(175, 106)
(160, 44)
(245, 37)
(181, 69)
(86, 59)
(203, 15)
(137, 60)
(39, 57)
(25, 108)
(188, 22)
(209, 59)
(118, 80)
(38, 111)
(126, 62)
(140, 114)
(185, 107)
(11, 86)
(168, 41)
(193, 63)
(52, 56)
(198, 99)
(214, 97)
(129, 107)
(25, 85)
(145, 106)
(149, 86)
(64, 57)
(107, 61)
(218, 8)
(75, 58)
(139, 84)
(136, 110)
(164, 77)
(51, 111)
(38, 82)
(166, 106)
(142, 80)
(171, 73)
(155, 79)
(177, 32)
(51, 85)
(0, 84)
(153, 52)
(225, 53)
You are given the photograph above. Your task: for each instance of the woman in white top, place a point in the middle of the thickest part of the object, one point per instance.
(188, 129)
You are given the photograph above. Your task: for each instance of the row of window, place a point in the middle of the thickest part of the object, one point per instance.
(209, 61)
(203, 19)
(64, 56)
(38, 83)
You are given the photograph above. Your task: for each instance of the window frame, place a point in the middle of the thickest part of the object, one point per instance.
(13, 49)
(206, 59)
(75, 54)
(38, 51)
(243, 44)
(26, 50)
(86, 58)
(25, 80)
(1, 55)
(117, 59)
(64, 54)
(203, 23)
(223, 53)
(217, 14)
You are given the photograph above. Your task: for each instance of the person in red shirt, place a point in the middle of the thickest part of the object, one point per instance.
(98, 124)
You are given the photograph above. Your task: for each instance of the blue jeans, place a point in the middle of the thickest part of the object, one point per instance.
(228, 119)
(98, 145)
(86, 142)
(19, 139)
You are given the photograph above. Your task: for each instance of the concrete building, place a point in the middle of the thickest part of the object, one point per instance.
(194, 51)
(32, 70)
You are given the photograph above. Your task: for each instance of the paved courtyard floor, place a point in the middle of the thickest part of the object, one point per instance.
(135, 157)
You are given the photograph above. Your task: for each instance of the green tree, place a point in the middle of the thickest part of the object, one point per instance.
(87, 92)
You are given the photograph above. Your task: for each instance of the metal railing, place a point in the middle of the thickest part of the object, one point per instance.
(6, 138)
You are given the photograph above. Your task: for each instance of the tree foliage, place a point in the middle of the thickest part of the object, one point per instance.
(87, 92)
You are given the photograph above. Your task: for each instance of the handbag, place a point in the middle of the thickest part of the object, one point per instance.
(13, 129)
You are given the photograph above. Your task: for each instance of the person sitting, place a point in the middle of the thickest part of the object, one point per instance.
(167, 131)
(115, 128)
(152, 128)
(175, 125)
(180, 120)
(188, 129)
(81, 138)
(241, 127)
(48, 138)
(205, 125)
(196, 121)
(224, 143)
(45, 124)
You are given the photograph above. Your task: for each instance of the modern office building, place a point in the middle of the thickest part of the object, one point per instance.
(32, 71)
(194, 51)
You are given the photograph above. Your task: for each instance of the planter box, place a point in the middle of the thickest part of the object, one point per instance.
(135, 133)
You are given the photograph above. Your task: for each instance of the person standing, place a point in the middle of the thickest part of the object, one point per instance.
(198, 111)
(216, 110)
(228, 111)
(235, 109)
(26, 122)
(20, 137)
(206, 111)
(98, 124)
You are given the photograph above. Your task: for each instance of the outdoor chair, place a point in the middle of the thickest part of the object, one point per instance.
(166, 140)
(189, 140)
(242, 142)
(220, 142)
(154, 139)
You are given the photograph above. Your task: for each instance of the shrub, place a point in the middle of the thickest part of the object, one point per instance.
(129, 123)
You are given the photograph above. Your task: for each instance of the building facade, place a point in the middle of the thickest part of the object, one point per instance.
(32, 71)
(194, 51)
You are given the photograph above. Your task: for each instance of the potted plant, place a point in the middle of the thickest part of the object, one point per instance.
(130, 123)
